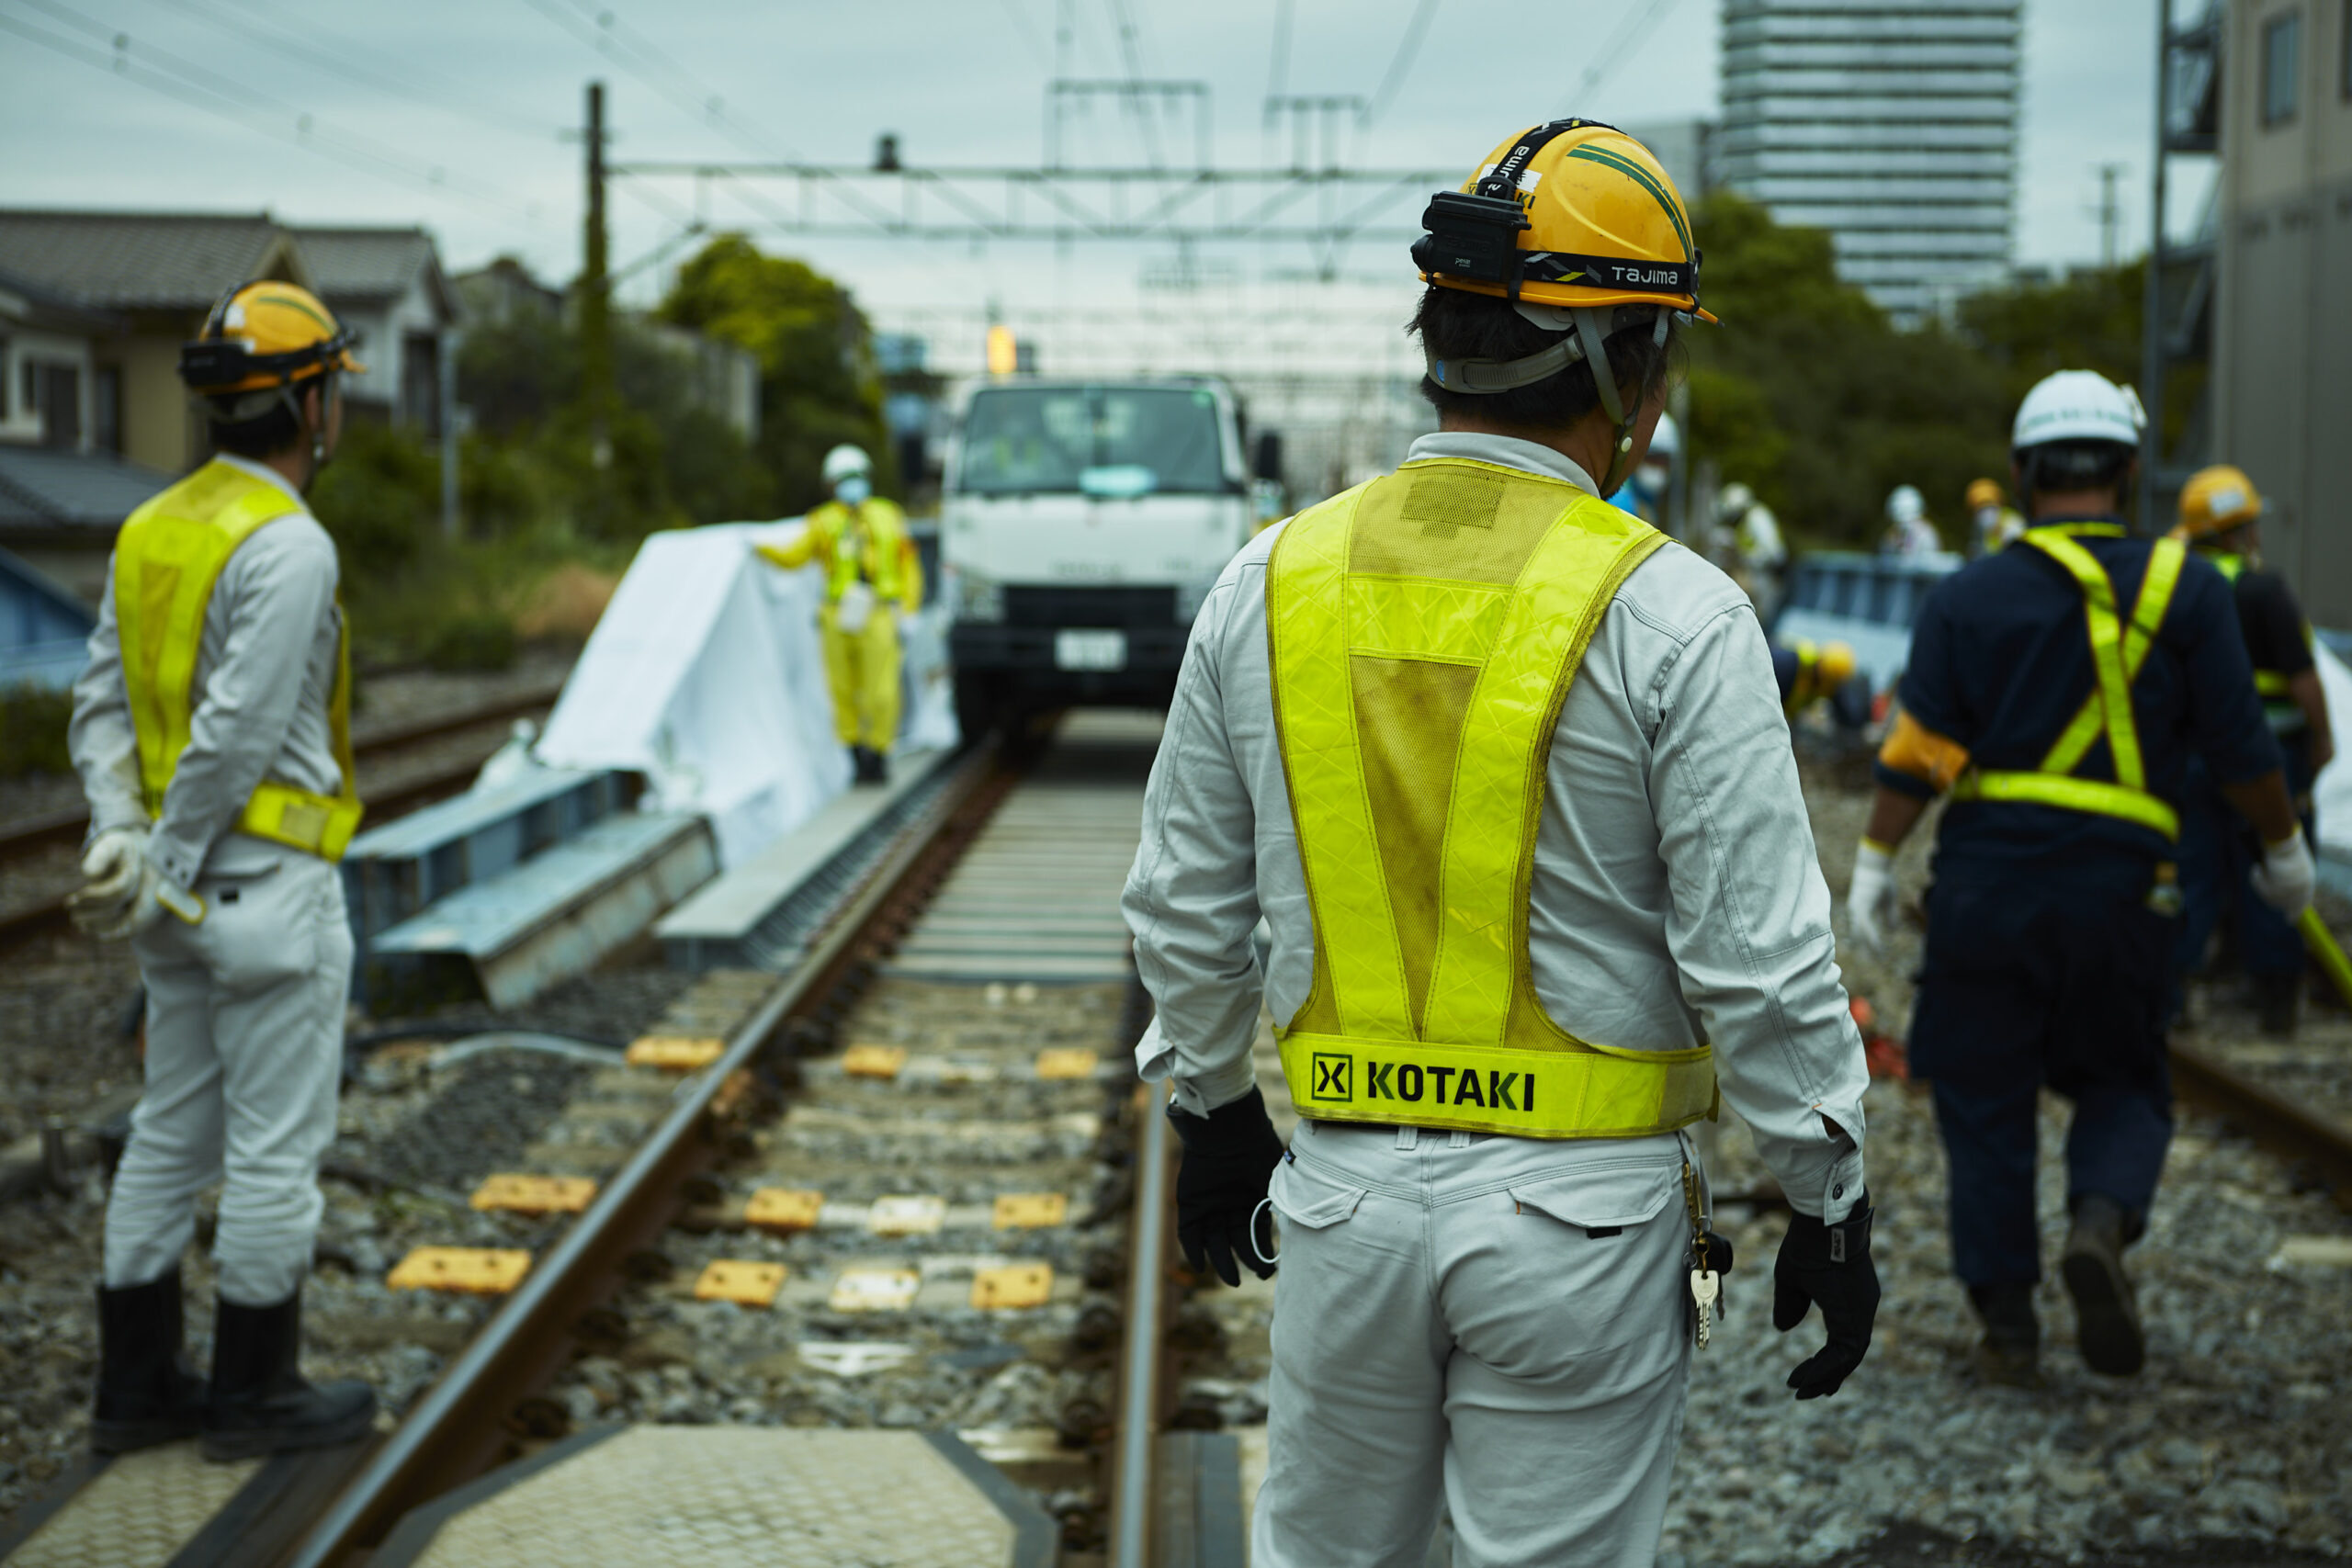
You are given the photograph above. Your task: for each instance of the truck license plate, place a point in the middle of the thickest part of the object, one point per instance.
(1090, 650)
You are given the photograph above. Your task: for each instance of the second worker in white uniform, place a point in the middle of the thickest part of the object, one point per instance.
(1505, 773)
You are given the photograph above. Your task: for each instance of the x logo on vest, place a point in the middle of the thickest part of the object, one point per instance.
(1332, 1076)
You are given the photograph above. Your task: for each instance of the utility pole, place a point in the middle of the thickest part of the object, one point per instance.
(596, 299)
(2110, 214)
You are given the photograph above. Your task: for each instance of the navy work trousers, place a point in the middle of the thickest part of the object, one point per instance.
(2059, 980)
(2218, 849)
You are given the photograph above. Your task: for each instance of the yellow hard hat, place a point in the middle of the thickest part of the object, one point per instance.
(1837, 665)
(1983, 493)
(265, 335)
(1572, 213)
(2217, 500)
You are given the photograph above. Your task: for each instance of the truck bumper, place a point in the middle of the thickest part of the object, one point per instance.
(1022, 658)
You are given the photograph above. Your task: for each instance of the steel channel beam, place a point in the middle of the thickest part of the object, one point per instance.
(2277, 1123)
(457, 1430)
(1134, 1480)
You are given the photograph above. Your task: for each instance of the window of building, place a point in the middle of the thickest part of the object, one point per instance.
(106, 409)
(59, 397)
(2282, 60)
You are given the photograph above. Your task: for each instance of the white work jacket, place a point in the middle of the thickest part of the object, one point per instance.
(1676, 899)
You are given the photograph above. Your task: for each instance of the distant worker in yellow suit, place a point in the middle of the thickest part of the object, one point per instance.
(873, 579)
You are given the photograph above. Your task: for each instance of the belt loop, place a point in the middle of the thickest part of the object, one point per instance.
(1409, 1139)
(1457, 1139)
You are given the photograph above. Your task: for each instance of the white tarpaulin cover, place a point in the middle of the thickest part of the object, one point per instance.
(705, 674)
(2332, 795)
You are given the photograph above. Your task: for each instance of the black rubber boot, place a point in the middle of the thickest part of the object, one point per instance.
(2010, 1353)
(259, 1402)
(2278, 1002)
(879, 764)
(2107, 1313)
(147, 1391)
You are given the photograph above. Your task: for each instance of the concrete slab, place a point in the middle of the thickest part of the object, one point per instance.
(137, 1511)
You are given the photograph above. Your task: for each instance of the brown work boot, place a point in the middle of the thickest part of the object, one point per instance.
(2107, 1314)
(2010, 1353)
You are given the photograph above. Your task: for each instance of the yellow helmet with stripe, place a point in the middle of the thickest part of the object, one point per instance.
(264, 335)
(1571, 213)
(2217, 500)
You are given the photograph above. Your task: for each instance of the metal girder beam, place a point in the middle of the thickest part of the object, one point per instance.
(1059, 204)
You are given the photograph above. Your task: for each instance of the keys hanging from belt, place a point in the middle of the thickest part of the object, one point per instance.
(1711, 1257)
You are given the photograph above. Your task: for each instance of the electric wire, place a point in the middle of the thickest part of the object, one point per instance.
(604, 31)
(1278, 63)
(1036, 45)
(1408, 50)
(199, 87)
(1629, 32)
(1123, 23)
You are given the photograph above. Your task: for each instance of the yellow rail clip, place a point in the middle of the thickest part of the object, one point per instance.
(1019, 1285)
(677, 1052)
(875, 1289)
(874, 1061)
(906, 1216)
(784, 1209)
(1067, 1062)
(534, 1194)
(1030, 1210)
(744, 1283)
(471, 1270)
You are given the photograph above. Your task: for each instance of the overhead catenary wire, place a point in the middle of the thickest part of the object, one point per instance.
(201, 87)
(604, 31)
(1409, 50)
(1029, 36)
(1131, 55)
(1636, 26)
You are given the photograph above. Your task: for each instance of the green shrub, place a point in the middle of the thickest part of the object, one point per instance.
(471, 640)
(32, 730)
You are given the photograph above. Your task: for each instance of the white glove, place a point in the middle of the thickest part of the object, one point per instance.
(2287, 878)
(111, 870)
(1870, 898)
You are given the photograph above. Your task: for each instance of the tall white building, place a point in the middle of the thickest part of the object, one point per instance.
(1891, 123)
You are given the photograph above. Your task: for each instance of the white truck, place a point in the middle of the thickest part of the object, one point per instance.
(1081, 525)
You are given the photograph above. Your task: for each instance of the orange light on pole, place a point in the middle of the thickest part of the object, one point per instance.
(1004, 357)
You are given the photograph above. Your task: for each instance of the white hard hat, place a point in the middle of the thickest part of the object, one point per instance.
(844, 461)
(1905, 505)
(2079, 405)
(1667, 440)
(1737, 496)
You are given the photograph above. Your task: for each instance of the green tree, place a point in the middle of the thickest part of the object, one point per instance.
(818, 385)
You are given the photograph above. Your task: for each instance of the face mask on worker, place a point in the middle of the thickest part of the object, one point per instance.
(853, 489)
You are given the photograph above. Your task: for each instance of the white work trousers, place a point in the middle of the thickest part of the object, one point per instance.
(244, 1056)
(1504, 1323)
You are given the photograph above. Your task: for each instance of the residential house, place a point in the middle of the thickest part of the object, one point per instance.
(387, 286)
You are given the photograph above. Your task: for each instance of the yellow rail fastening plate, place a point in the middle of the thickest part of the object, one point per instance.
(875, 1289)
(1067, 1062)
(1030, 1210)
(874, 1061)
(471, 1270)
(677, 1052)
(534, 1194)
(784, 1209)
(905, 1215)
(1019, 1285)
(744, 1283)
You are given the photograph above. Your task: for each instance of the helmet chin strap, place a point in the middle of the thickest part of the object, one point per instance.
(1592, 327)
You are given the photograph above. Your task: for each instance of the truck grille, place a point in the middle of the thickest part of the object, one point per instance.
(1090, 606)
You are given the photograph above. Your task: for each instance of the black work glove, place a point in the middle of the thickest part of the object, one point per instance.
(1829, 1265)
(1229, 1157)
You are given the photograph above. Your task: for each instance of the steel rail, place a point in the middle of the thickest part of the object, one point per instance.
(1136, 1471)
(2289, 1130)
(457, 1430)
(67, 827)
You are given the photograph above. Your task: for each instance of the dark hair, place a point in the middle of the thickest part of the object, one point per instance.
(272, 431)
(1453, 324)
(2076, 465)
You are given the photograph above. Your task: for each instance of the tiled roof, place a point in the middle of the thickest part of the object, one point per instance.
(43, 486)
(364, 263)
(142, 260)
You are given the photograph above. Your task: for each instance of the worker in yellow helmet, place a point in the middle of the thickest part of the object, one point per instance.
(212, 732)
(1809, 672)
(2220, 520)
(1995, 521)
(873, 581)
(1504, 771)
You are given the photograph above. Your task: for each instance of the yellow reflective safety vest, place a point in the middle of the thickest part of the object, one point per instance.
(2118, 650)
(167, 560)
(1423, 630)
(868, 543)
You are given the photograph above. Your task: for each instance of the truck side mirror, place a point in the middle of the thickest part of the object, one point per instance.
(1267, 463)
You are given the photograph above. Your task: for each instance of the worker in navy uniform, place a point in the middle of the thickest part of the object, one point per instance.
(2057, 691)
(2221, 515)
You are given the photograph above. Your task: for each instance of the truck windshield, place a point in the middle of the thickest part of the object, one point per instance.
(1130, 440)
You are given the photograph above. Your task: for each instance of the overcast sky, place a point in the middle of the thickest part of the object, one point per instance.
(476, 95)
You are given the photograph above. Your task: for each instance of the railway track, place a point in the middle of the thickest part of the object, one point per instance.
(915, 1188)
(62, 830)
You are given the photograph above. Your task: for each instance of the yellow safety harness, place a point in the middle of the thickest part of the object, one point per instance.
(2116, 653)
(2274, 687)
(1424, 629)
(169, 555)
